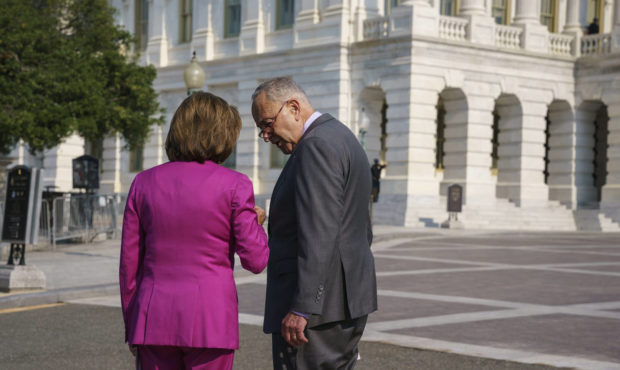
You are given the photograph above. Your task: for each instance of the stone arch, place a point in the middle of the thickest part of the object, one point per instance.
(560, 154)
(452, 105)
(371, 109)
(509, 116)
(591, 144)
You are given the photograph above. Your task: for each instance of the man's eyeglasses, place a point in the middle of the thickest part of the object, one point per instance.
(265, 125)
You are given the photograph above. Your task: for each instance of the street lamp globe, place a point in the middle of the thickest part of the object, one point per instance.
(194, 76)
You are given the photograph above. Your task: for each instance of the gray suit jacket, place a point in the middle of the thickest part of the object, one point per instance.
(319, 231)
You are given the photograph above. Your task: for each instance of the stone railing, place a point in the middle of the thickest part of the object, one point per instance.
(560, 44)
(596, 44)
(508, 37)
(376, 28)
(453, 28)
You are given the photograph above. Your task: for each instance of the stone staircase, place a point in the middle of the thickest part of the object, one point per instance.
(504, 215)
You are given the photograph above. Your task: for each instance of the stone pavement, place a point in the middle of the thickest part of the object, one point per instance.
(536, 298)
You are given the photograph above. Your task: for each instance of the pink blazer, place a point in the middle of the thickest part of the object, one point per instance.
(183, 223)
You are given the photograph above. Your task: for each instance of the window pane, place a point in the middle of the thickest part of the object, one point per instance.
(285, 16)
(500, 11)
(232, 22)
(547, 14)
(185, 26)
(141, 23)
(277, 159)
(449, 7)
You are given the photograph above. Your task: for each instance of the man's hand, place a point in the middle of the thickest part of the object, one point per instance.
(293, 329)
(260, 215)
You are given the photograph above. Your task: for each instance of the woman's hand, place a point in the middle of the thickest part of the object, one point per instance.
(133, 350)
(260, 215)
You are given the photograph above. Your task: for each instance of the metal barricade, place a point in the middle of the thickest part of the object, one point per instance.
(85, 216)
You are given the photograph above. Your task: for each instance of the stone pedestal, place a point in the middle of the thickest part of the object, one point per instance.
(16, 277)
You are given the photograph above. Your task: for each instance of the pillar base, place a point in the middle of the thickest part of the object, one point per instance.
(17, 277)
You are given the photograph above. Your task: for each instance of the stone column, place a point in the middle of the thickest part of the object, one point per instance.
(157, 47)
(153, 147)
(521, 150)
(535, 35)
(252, 37)
(481, 27)
(334, 25)
(203, 39)
(572, 25)
(110, 181)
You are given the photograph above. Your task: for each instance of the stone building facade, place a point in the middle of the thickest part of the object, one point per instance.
(509, 99)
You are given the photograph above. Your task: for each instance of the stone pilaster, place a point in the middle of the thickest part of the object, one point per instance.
(153, 148)
(365, 10)
(203, 39)
(615, 33)
(611, 190)
(252, 37)
(157, 47)
(248, 142)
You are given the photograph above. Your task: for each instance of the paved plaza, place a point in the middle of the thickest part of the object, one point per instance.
(532, 298)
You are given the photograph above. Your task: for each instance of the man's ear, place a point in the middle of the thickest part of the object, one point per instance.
(296, 107)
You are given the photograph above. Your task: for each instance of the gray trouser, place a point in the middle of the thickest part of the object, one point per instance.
(330, 346)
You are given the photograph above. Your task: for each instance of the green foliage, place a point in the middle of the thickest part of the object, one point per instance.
(64, 69)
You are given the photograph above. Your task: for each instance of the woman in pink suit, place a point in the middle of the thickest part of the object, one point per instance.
(184, 221)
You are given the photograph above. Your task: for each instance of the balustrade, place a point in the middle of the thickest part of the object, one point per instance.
(376, 28)
(560, 44)
(596, 44)
(453, 28)
(508, 37)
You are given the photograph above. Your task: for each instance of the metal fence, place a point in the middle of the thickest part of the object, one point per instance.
(81, 217)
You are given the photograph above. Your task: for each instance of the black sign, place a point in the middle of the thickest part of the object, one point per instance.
(16, 206)
(455, 198)
(86, 172)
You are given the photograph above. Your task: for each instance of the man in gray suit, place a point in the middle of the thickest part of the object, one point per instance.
(321, 282)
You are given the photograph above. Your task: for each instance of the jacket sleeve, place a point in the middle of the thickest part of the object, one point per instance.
(132, 249)
(249, 238)
(319, 202)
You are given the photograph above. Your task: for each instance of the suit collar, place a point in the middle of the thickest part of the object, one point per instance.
(317, 122)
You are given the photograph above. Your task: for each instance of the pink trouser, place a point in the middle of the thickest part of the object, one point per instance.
(179, 358)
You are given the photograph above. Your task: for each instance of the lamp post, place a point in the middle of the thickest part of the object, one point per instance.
(363, 127)
(194, 76)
